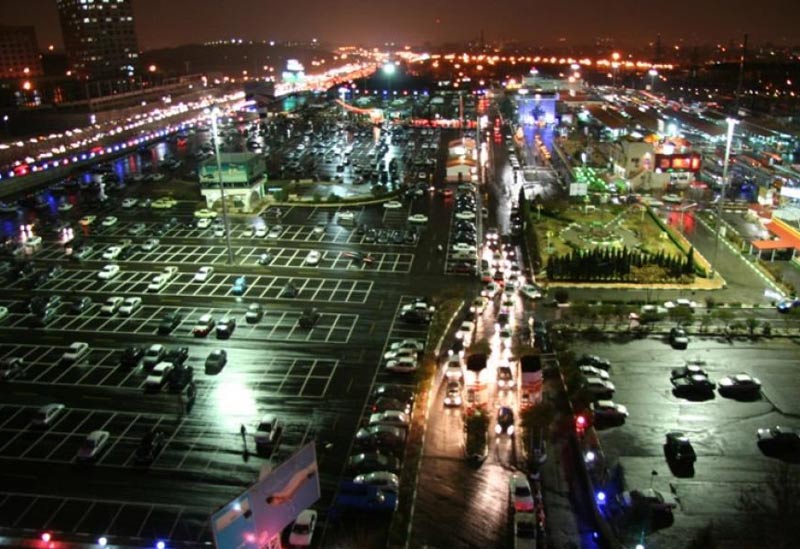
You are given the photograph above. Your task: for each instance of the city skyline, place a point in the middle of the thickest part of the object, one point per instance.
(575, 23)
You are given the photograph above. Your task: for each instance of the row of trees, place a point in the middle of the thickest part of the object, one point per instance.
(619, 265)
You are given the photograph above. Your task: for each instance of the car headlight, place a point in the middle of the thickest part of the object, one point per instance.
(510, 429)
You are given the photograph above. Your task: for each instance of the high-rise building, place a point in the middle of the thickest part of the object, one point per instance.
(99, 37)
(19, 52)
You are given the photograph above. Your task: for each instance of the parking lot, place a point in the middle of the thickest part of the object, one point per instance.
(721, 429)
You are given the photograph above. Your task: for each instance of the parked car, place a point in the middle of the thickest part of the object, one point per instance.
(153, 355)
(47, 414)
(226, 327)
(131, 356)
(520, 492)
(216, 361)
(10, 368)
(169, 322)
(302, 530)
(693, 385)
(92, 445)
(594, 360)
(678, 338)
(778, 439)
(360, 497)
(678, 449)
(158, 376)
(204, 325)
(739, 385)
(608, 410)
(255, 312)
(372, 461)
(77, 351)
(380, 437)
(654, 500)
(268, 432)
(383, 480)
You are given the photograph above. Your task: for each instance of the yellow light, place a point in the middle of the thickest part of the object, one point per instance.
(26, 85)
(615, 56)
(152, 68)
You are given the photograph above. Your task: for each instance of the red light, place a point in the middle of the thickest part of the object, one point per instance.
(580, 424)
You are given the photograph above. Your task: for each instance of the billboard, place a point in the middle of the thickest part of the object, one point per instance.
(258, 515)
(688, 162)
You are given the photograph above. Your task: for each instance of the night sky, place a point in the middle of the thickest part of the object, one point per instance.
(163, 23)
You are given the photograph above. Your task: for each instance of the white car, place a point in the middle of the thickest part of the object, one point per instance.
(109, 221)
(599, 388)
(319, 228)
(149, 245)
(392, 205)
(530, 291)
(158, 375)
(681, 302)
(395, 418)
(399, 353)
(520, 492)
(112, 305)
(453, 370)
(346, 216)
(465, 331)
(108, 272)
(153, 355)
(403, 364)
(3, 312)
(407, 344)
(490, 290)
(205, 213)
(312, 258)
(591, 371)
(130, 306)
(303, 529)
(203, 274)
(112, 252)
(92, 445)
(268, 430)
(204, 223)
(158, 282)
(129, 203)
(275, 231)
(608, 409)
(47, 414)
(77, 350)
(466, 215)
(418, 218)
(259, 231)
(464, 247)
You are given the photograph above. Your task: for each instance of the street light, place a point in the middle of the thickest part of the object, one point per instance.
(214, 113)
(653, 73)
(729, 138)
(388, 70)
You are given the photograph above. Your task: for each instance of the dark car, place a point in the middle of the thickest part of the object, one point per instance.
(594, 360)
(45, 318)
(177, 355)
(694, 385)
(169, 322)
(289, 291)
(384, 403)
(10, 368)
(309, 318)
(362, 498)
(505, 421)
(678, 338)
(225, 327)
(80, 304)
(131, 356)
(380, 437)
(413, 316)
(179, 377)
(150, 446)
(779, 439)
(395, 392)
(216, 361)
(126, 253)
(372, 461)
(39, 304)
(678, 449)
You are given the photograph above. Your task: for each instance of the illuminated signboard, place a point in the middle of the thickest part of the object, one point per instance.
(689, 162)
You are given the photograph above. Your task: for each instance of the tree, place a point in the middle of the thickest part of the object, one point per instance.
(723, 315)
(579, 311)
(752, 324)
(774, 506)
(681, 315)
(689, 269)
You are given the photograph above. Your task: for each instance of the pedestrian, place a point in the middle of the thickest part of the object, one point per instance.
(243, 431)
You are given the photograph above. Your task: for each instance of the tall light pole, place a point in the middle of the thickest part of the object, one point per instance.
(226, 224)
(653, 73)
(388, 70)
(731, 123)
(615, 67)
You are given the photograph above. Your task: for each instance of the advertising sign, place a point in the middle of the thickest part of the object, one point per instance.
(258, 515)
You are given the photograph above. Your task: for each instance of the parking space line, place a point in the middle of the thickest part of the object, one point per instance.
(46, 524)
(25, 512)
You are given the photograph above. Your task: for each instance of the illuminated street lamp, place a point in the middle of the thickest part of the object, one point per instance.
(614, 66)
(729, 138)
(653, 73)
(388, 70)
(226, 224)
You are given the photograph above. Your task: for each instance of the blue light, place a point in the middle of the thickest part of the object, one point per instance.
(160, 545)
(601, 498)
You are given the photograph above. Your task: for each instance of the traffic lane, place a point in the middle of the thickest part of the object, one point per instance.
(738, 274)
(722, 430)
